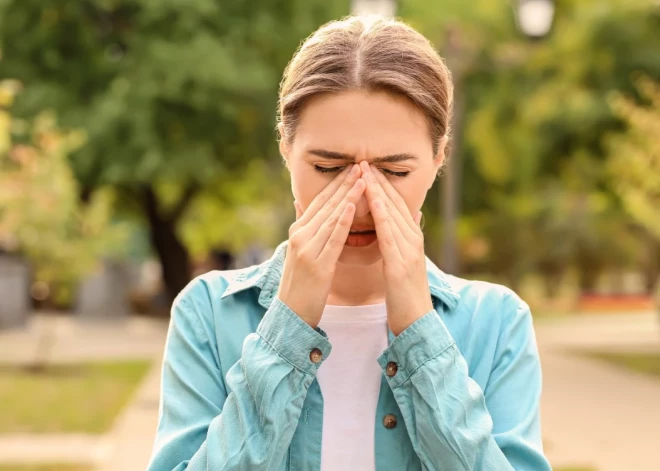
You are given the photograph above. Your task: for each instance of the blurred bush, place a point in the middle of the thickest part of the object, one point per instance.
(41, 214)
(177, 105)
(635, 154)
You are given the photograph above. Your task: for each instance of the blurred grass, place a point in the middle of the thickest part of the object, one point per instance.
(46, 467)
(647, 363)
(82, 398)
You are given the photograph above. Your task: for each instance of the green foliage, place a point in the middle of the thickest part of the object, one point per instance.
(176, 98)
(534, 181)
(248, 208)
(41, 214)
(170, 93)
(635, 155)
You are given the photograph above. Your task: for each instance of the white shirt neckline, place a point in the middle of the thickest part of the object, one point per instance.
(336, 314)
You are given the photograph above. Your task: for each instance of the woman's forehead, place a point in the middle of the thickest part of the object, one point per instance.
(354, 122)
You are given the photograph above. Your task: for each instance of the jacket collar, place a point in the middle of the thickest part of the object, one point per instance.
(268, 274)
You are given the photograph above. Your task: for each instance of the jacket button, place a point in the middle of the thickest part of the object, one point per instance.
(389, 421)
(315, 355)
(391, 369)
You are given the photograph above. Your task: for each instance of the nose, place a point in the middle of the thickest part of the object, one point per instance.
(361, 208)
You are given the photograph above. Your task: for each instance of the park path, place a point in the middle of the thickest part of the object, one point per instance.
(593, 413)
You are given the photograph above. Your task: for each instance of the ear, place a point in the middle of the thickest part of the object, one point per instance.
(439, 158)
(285, 149)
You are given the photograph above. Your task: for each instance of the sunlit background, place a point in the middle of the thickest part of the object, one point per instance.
(137, 150)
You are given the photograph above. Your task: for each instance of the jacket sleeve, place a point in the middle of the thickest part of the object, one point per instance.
(452, 423)
(245, 421)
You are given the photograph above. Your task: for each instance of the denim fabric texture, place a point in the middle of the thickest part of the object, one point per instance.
(239, 388)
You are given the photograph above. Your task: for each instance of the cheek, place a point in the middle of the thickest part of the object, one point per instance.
(306, 184)
(413, 193)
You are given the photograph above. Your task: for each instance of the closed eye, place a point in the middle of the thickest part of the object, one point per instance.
(339, 169)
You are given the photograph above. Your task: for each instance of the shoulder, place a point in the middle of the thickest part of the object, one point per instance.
(210, 287)
(202, 300)
(483, 296)
(489, 320)
(487, 312)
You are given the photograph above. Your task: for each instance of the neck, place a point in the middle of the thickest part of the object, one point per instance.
(357, 285)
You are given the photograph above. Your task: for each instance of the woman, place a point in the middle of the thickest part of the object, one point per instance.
(349, 349)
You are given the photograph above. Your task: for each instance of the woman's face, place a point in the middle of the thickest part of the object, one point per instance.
(339, 129)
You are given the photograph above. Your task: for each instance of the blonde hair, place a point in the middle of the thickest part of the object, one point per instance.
(373, 54)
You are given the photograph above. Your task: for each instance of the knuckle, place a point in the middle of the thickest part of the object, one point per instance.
(302, 257)
(334, 202)
(332, 220)
(346, 222)
(296, 242)
(293, 228)
(347, 183)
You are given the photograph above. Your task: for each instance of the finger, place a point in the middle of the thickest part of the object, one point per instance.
(418, 218)
(386, 239)
(322, 236)
(331, 205)
(394, 196)
(401, 231)
(335, 244)
(341, 183)
(298, 209)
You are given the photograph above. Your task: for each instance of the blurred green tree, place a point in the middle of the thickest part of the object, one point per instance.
(635, 154)
(177, 99)
(634, 167)
(533, 177)
(41, 215)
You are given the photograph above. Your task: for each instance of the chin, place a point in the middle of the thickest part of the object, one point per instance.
(360, 255)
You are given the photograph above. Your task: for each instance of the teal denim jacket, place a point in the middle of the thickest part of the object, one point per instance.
(239, 388)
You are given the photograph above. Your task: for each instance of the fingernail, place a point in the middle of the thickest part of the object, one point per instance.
(354, 170)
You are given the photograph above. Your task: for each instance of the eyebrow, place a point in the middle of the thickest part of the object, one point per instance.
(328, 154)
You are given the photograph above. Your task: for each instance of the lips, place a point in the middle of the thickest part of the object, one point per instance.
(362, 230)
(361, 239)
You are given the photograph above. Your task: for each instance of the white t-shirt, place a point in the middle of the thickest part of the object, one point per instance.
(350, 381)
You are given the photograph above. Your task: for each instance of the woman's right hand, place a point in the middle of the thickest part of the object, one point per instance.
(316, 239)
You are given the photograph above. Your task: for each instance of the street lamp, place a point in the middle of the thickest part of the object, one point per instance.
(535, 17)
(374, 7)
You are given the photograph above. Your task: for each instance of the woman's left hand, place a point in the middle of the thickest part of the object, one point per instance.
(401, 243)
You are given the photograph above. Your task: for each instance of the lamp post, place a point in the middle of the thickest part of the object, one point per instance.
(374, 7)
(534, 17)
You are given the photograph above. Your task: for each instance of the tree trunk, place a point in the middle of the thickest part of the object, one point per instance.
(174, 258)
(552, 281)
(652, 265)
